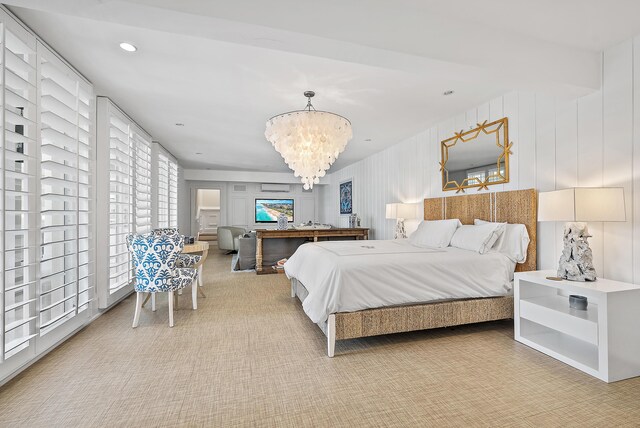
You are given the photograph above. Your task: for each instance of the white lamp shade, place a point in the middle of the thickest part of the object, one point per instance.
(391, 211)
(395, 211)
(582, 204)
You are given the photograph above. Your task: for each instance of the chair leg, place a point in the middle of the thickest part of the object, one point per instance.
(200, 282)
(194, 293)
(153, 302)
(170, 308)
(136, 316)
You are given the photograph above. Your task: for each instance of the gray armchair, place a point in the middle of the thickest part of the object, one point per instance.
(228, 238)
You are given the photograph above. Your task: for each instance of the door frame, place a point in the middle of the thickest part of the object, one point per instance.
(193, 190)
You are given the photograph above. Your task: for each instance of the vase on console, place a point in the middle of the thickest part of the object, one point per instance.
(283, 221)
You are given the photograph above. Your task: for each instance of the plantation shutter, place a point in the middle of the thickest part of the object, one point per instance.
(66, 288)
(142, 149)
(163, 191)
(19, 170)
(173, 194)
(120, 202)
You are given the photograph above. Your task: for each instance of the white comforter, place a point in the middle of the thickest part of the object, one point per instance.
(346, 276)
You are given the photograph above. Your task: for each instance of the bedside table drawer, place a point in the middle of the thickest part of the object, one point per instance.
(554, 312)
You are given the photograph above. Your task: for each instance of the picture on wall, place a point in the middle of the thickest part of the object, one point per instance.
(346, 197)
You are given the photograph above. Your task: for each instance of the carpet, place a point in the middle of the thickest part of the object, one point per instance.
(249, 356)
(234, 264)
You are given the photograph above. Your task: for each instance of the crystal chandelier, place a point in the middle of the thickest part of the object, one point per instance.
(309, 140)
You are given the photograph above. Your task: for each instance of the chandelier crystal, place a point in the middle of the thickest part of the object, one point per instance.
(309, 141)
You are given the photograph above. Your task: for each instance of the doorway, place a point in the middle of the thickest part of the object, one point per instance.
(208, 213)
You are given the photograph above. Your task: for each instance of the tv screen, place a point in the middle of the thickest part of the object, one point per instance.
(267, 210)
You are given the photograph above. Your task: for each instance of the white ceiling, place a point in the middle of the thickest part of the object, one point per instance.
(224, 67)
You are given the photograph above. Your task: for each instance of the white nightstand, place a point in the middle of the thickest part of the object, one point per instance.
(603, 341)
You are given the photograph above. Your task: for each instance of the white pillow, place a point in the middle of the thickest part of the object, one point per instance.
(479, 238)
(513, 242)
(434, 234)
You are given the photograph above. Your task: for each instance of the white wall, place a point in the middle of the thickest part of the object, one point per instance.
(208, 199)
(237, 201)
(184, 205)
(592, 141)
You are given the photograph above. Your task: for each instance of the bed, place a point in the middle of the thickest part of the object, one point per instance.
(355, 289)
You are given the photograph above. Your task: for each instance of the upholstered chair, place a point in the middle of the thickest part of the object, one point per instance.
(154, 260)
(228, 238)
(184, 260)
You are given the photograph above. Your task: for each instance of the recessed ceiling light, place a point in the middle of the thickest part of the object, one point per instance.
(128, 47)
(179, 124)
(198, 153)
(449, 92)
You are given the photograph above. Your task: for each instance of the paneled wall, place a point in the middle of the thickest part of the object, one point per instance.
(592, 141)
(237, 203)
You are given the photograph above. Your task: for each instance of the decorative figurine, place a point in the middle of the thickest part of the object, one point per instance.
(576, 262)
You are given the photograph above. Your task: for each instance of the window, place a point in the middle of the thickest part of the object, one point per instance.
(142, 149)
(492, 173)
(479, 175)
(167, 192)
(65, 187)
(163, 191)
(19, 218)
(126, 179)
(173, 194)
(46, 150)
(120, 202)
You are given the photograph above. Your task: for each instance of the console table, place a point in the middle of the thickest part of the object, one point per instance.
(311, 234)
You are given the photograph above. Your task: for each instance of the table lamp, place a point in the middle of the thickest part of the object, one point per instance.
(400, 213)
(576, 206)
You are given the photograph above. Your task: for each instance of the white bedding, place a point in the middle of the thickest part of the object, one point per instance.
(346, 276)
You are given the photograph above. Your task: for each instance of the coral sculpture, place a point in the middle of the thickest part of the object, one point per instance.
(576, 262)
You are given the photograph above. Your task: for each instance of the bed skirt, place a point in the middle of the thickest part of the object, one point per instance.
(397, 319)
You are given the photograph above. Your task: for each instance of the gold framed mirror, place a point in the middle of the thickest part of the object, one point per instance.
(476, 158)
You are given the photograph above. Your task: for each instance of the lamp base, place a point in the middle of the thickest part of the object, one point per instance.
(400, 232)
(576, 261)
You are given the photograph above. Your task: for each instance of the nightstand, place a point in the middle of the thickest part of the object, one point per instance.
(603, 341)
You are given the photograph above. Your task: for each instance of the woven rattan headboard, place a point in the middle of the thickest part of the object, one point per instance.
(516, 206)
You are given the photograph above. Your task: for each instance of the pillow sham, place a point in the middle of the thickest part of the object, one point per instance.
(513, 242)
(478, 238)
(434, 234)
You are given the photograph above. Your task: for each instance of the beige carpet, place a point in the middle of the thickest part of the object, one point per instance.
(250, 357)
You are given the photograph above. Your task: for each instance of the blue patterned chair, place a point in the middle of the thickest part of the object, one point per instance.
(184, 260)
(154, 260)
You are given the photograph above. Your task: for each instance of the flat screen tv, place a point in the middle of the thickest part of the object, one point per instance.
(267, 210)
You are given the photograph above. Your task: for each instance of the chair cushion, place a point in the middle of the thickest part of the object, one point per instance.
(183, 277)
(187, 260)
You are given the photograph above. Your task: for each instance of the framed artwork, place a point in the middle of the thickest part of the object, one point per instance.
(346, 197)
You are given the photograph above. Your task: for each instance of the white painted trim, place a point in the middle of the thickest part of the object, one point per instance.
(245, 176)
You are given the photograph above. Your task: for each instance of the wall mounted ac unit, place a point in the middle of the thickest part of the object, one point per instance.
(275, 187)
